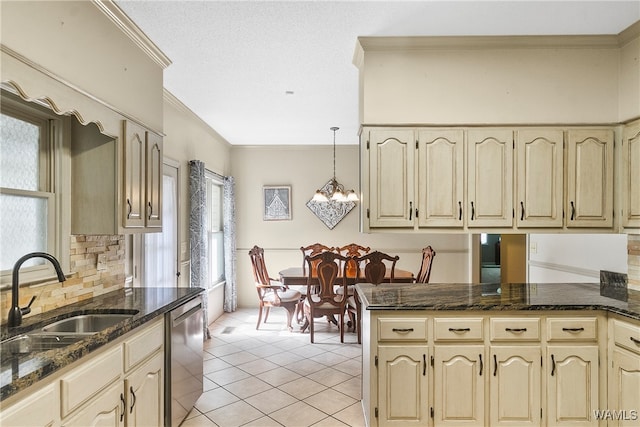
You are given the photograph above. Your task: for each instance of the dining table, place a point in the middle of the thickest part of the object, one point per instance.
(295, 276)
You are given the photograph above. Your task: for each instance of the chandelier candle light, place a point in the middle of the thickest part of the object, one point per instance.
(335, 190)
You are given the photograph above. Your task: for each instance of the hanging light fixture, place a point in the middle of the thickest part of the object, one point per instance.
(334, 190)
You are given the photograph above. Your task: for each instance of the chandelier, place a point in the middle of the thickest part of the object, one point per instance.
(334, 190)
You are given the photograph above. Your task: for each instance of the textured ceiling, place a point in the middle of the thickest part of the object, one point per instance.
(235, 62)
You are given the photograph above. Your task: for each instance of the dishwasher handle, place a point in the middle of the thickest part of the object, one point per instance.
(178, 316)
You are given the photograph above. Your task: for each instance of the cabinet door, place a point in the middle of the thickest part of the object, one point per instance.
(589, 200)
(106, 410)
(39, 408)
(459, 374)
(154, 167)
(440, 178)
(402, 386)
(624, 397)
(134, 174)
(631, 178)
(515, 386)
(490, 178)
(391, 178)
(539, 174)
(145, 397)
(572, 385)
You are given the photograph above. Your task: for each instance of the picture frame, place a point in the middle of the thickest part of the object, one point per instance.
(277, 203)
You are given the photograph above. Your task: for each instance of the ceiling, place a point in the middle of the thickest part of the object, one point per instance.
(267, 72)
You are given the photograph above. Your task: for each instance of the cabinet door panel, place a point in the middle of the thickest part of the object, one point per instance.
(515, 386)
(440, 178)
(631, 179)
(402, 386)
(107, 410)
(490, 178)
(134, 174)
(572, 390)
(625, 398)
(539, 178)
(144, 388)
(459, 373)
(154, 180)
(391, 168)
(590, 178)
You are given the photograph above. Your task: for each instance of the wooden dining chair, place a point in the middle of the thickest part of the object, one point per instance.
(428, 254)
(271, 293)
(352, 251)
(312, 250)
(375, 268)
(322, 296)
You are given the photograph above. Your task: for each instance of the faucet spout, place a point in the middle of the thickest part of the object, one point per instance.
(15, 313)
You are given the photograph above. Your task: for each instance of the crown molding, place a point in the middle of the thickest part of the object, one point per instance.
(131, 30)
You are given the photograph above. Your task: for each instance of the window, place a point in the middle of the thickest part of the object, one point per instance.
(215, 236)
(29, 204)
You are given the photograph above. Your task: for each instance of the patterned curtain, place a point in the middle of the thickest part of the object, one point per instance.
(229, 230)
(198, 233)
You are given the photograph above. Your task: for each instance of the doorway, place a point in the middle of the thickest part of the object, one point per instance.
(501, 258)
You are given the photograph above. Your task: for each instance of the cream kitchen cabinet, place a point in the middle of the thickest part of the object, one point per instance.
(624, 379)
(631, 175)
(440, 191)
(39, 408)
(539, 177)
(490, 178)
(589, 201)
(391, 177)
(144, 394)
(116, 185)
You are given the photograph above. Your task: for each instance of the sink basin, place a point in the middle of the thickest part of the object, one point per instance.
(28, 343)
(85, 323)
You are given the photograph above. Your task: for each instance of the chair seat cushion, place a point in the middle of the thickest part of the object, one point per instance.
(300, 288)
(285, 296)
(316, 299)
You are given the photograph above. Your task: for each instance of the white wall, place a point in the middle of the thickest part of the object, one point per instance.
(306, 168)
(575, 257)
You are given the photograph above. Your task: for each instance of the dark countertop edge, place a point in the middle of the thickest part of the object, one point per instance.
(60, 358)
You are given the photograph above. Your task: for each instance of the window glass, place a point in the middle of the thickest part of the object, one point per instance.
(19, 153)
(215, 236)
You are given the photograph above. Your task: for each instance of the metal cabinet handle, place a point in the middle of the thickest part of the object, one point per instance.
(481, 364)
(424, 365)
(130, 208)
(573, 329)
(459, 329)
(124, 407)
(573, 211)
(522, 211)
(410, 211)
(459, 210)
(495, 365)
(134, 400)
(473, 211)
(553, 365)
(402, 329)
(515, 329)
(150, 210)
(635, 340)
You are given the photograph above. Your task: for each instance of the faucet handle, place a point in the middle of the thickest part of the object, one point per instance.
(27, 309)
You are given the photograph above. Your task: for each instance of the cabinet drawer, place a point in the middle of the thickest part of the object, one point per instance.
(140, 346)
(572, 329)
(627, 335)
(402, 329)
(515, 329)
(89, 379)
(466, 329)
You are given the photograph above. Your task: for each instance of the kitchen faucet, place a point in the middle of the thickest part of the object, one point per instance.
(15, 314)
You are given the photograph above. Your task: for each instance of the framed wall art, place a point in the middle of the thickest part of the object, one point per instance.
(277, 202)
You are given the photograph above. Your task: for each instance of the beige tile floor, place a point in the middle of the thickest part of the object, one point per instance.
(273, 377)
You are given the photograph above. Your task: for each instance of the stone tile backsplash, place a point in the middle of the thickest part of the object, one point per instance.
(85, 280)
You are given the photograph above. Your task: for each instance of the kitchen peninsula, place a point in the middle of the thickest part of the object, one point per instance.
(499, 354)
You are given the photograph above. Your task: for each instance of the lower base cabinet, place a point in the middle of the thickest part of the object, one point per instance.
(624, 383)
(144, 394)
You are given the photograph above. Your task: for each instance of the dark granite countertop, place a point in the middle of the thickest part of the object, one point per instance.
(497, 297)
(21, 371)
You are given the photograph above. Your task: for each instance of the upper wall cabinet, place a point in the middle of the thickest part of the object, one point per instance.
(589, 201)
(490, 177)
(116, 182)
(631, 176)
(539, 166)
(391, 177)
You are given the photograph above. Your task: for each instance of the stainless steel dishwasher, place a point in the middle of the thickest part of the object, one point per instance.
(184, 361)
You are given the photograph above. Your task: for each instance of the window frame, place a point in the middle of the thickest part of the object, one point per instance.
(212, 179)
(54, 183)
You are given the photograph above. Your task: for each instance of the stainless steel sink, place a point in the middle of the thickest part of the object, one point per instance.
(29, 343)
(86, 323)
